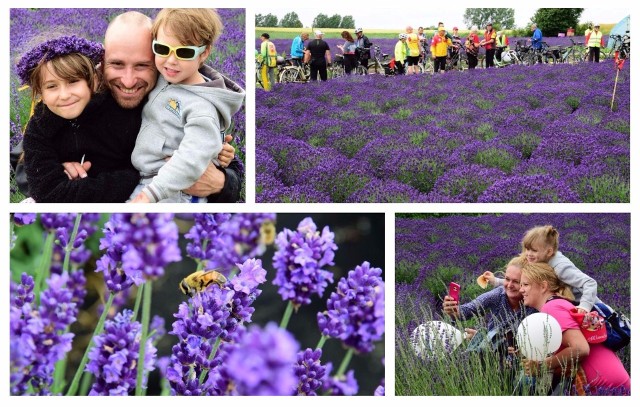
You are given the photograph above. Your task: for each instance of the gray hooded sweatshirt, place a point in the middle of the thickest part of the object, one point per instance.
(186, 123)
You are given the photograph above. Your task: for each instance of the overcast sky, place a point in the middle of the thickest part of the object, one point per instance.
(369, 16)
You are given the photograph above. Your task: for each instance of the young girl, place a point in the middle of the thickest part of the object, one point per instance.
(72, 123)
(186, 114)
(540, 245)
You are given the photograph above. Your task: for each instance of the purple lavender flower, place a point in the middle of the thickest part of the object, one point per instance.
(113, 359)
(245, 287)
(37, 337)
(344, 385)
(21, 219)
(262, 363)
(309, 371)
(355, 311)
(51, 49)
(299, 262)
(206, 237)
(139, 246)
(244, 235)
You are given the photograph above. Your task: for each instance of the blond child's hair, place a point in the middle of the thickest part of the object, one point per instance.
(547, 235)
(191, 26)
(539, 272)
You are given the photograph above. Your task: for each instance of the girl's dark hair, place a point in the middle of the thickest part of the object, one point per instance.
(68, 67)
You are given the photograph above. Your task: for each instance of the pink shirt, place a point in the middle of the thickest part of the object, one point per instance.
(602, 367)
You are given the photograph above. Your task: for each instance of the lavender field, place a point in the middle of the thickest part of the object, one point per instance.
(28, 27)
(297, 306)
(431, 251)
(515, 134)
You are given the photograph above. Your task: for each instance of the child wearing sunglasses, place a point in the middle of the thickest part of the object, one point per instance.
(184, 121)
(73, 121)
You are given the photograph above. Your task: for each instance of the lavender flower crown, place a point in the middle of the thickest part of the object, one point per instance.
(50, 49)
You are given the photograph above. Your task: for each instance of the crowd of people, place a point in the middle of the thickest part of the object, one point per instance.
(412, 48)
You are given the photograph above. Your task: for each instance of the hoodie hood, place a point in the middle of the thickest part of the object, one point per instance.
(226, 95)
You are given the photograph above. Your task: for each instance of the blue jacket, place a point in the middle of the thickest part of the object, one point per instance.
(297, 47)
(536, 39)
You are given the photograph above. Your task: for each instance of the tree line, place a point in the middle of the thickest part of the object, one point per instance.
(291, 20)
(551, 21)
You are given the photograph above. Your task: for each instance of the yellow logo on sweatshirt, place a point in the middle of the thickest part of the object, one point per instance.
(174, 107)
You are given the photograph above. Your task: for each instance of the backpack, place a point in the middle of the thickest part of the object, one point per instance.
(618, 326)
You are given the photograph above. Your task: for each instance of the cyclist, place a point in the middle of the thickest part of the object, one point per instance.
(413, 55)
(349, 52)
(320, 57)
(489, 44)
(297, 48)
(594, 41)
(424, 42)
(502, 44)
(400, 54)
(536, 38)
(439, 47)
(362, 48)
(269, 62)
(472, 46)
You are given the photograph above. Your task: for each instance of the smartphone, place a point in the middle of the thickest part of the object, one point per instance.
(454, 291)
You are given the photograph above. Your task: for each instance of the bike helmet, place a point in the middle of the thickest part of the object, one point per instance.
(506, 57)
(402, 36)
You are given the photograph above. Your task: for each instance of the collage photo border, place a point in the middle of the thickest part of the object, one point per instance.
(390, 211)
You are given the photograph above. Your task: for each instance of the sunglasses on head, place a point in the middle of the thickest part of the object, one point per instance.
(183, 52)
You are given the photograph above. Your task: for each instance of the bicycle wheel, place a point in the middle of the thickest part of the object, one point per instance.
(289, 74)
(549, 58)
(360, 70)
(375, 68)
(336, 71)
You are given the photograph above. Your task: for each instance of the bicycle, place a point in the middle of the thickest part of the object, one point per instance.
(292, 72)
(621, 45)
(508, 57)
(542, 55)
(456, 59)
(336, 70)
(571, 54)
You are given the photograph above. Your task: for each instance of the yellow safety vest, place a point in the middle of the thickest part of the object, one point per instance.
(269, 54)
(595, 39)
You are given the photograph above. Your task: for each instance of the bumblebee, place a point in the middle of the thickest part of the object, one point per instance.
(267, 232)
(198, 281)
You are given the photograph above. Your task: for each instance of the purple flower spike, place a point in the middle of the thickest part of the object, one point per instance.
(139, 246)
(206, 237)
(37, 338)
(345, 385)
(355, 311)
(262, 364)
(309, 371)
(300, 261)
(113, 360)
(21, 219)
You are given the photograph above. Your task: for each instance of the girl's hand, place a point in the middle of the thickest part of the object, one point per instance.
(470, 333)
(581, 310)
(490, 277)
(531, 367)
(75, 170)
